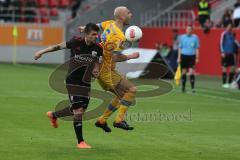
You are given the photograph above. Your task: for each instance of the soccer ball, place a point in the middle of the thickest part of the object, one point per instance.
(133, 33)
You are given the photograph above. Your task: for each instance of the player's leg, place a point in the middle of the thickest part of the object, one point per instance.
(231, 63)
(65, 112)
(192, 79)
(224, 72)
(112, 107)
(127, 91)
(192, 72)
(77, 123)
(184, 67)
(53, 116)
(79, 105)
(108, 80)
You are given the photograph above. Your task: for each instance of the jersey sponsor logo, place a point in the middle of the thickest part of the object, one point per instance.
(110, 46)
(83, 58)
(126, 44)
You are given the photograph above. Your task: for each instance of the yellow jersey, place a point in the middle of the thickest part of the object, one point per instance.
(112, 40)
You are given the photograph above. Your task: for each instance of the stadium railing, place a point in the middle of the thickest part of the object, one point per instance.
(172, 19)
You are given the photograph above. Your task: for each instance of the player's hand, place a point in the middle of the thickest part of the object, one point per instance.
(197, 60)
(95, 73)
(223, 55)
(134, 55)
(37, 55)
(81, 28)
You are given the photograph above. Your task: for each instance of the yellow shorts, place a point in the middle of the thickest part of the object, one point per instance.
(109, 79)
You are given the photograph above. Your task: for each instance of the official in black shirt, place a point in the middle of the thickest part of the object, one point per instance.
(86, 56)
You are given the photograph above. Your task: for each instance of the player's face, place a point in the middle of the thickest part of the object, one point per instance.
(128, 16)
(229, 28)
(189, 30)
(91, 37)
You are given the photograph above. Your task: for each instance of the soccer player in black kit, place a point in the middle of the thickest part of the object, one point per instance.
(86, 56)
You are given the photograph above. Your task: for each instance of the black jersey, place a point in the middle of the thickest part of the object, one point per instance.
(82, 61)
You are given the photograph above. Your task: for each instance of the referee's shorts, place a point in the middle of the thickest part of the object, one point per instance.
(188, 61)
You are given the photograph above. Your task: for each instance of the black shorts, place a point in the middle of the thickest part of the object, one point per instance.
(188, 61)
(228, 60)
(78, 96)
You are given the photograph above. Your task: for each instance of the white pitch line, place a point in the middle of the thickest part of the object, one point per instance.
(215, 92)
(218, 97)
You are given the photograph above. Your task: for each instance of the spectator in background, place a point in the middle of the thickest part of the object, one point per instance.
(75, 6)
(207, 26)
(228, 49)
(188, 56)
(1, 2)
(158, 46)
(236, 14)
(226, 18)
(174, 52)
(237, 4)
(163, 49)
(204, 11)
(5, 3)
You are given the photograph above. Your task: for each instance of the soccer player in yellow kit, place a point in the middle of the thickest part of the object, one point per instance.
(113, 40)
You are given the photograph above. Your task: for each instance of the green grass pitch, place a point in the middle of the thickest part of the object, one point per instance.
(209, 128)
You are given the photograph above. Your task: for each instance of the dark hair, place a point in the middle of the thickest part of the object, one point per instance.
(91, 27)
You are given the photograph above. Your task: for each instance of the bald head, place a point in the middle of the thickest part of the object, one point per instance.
(122, 14)
(119, 11)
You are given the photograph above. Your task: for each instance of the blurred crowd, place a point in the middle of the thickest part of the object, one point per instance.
(35, 10)
(230, 16)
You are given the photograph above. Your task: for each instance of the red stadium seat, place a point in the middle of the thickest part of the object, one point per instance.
(54, 12)
(45, 20)
(43, 11)
(52, 3)
(42, 3)
(44, 15)
(64, 3)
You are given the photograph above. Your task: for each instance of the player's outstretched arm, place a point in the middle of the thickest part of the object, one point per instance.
(53, 48)
(122, 57)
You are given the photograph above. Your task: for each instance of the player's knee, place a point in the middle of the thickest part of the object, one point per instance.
(232, 69)
(184, 71)
(78, 113)
(224, 69)
(191, 71)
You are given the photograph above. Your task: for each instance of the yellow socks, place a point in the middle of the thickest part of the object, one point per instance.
(113, 106)
(127, 100)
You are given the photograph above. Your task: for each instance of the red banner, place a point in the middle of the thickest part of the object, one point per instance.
(210, 60)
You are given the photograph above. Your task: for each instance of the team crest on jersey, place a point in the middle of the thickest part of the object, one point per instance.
(126, 44)
(110, 46)
(94, 53)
